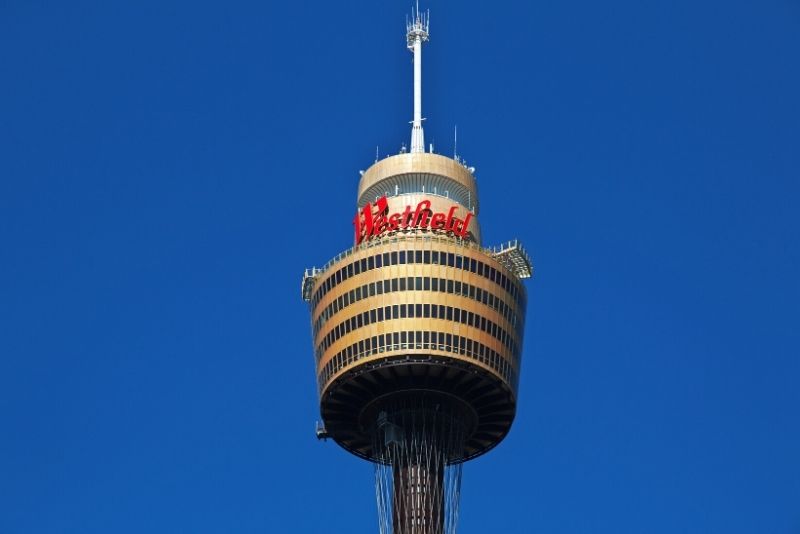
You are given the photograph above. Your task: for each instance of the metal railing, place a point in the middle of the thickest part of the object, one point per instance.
(312, 273)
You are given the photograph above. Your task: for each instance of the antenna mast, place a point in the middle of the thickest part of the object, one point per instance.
(417, 33)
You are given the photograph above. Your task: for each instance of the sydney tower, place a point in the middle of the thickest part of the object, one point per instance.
(417, 329)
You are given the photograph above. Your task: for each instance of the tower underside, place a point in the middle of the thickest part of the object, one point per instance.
(353, 402)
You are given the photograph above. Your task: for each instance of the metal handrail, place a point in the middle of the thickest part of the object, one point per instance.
(313, 272)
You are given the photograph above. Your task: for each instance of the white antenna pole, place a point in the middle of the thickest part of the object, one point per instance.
(455, 142)
(416, 34)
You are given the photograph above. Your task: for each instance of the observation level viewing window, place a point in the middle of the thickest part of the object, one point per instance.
(418, 311)
(420, 340)
(404, 257)
(432, 185)
(464, 289)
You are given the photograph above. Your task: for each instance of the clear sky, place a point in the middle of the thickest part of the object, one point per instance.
(168, 169)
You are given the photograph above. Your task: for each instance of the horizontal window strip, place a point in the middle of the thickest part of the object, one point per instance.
(424, 257)
(416, 339)
(417, 311)
(420, 283)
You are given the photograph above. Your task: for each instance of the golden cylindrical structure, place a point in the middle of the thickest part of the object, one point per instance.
(418, 307)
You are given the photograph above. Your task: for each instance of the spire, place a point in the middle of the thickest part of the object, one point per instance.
(417, 33)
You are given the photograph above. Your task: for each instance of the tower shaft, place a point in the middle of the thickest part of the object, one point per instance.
(418, 495)
(416, 437)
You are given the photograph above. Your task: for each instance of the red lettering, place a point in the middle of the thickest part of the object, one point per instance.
(394, 222)
(464, 228)
(406, 217)
(374, 223)
(374, 220)
(379, 222)
(421, 213)
(449, 225)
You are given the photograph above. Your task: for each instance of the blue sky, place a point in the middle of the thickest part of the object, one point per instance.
(168, 169)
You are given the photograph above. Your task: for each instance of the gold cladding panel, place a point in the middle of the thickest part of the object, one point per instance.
(416, 324)
(397, 297)
(410, 297)
(419, 297)
(411, 243)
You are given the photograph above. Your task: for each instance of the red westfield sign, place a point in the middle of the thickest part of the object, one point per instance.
(374, 219)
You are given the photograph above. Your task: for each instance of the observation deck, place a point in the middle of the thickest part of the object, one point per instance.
(422, 312)
(422, 172)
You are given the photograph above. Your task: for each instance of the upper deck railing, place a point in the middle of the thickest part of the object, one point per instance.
(511, 255)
